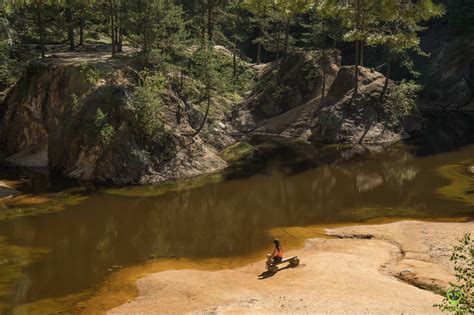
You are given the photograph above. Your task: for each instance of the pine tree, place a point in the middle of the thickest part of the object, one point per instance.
(399, 26)
(260, 8)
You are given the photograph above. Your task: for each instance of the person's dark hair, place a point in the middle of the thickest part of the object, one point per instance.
(277, 244)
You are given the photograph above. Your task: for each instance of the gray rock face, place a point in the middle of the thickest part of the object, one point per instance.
(129, 158)
(34, 106)
(362, 119)
(277, 104)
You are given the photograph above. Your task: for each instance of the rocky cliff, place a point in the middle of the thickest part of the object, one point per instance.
(76, 117)
(50, 120)
(287, 103)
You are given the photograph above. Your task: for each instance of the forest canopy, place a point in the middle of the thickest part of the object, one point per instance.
(160, 32)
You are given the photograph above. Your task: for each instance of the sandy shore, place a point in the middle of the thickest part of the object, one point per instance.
(367, 269)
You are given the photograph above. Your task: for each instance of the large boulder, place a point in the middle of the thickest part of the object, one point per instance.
(130, 158)
(277, 104)
(364, 118)
(34, 107)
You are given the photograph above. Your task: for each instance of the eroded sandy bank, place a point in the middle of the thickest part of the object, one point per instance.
(360, 272)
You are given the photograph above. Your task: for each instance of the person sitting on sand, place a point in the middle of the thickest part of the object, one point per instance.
(277, 254)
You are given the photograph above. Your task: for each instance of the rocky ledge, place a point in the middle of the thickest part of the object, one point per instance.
(288, 103)
(50, 120)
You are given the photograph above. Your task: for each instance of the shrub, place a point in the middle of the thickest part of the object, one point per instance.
(105, 131)
(463, 258)
(77, 102)
(402, 100)
(9, 67)
(145, 104)
(91, 73)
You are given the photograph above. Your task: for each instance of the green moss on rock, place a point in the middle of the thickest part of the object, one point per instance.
(238, 151)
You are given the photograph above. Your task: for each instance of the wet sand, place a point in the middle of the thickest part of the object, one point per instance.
(388, 268)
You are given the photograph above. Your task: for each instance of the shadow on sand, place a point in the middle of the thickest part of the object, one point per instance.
(268, 274)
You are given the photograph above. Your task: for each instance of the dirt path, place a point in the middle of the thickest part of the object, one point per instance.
(359, 273)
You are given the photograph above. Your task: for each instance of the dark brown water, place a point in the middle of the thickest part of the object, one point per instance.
(284, 186)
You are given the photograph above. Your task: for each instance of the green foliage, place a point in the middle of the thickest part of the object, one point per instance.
(238, 151)
(77, 103)
(9, 63)
(146, 103)
(402, 100)
(463, 258)
(90, 72)
(105, 131)
(158, 28)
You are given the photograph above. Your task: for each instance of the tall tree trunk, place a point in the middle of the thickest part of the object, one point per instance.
(356, 68)
(39, 12)
(323, 92)
(203, 122)
(361, 53)
(70, 26)
(210, 20)
(81, 27)
(119, 29)
(234, 61)
(112, 26)
(208, 80)
(387, 77)
(144, 29)
(287, 35)
(357, 56)
(259, 46)
(278, 43)
(203, 21)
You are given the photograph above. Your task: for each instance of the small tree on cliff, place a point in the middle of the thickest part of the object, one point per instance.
(205, 68)
(360, 18)
(288, 9)
(259, 8)
(322, 11)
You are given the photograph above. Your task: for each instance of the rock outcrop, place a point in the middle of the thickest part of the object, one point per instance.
(292, 107)
(34, 107)
(50, 120)
(360, 119)
(283, 101)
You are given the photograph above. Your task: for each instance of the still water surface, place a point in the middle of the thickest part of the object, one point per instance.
(231, 214)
